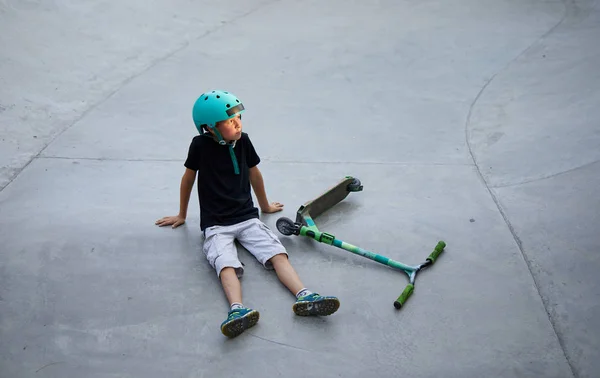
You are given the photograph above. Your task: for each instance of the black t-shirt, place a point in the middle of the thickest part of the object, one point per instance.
(225, 198)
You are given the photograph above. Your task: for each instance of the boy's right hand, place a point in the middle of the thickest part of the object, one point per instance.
(175, 221)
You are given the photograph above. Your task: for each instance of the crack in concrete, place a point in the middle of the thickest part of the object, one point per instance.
(106, 159)
(548, 176)
(270, 161)
(278, 343)
(50, 364)
(570, 7)
(120, 86)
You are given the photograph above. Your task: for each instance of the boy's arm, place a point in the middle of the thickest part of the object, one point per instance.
(185, 190)
(258, 184)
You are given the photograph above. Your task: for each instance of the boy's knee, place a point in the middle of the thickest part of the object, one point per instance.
(230, 272)
(227, 270)
(279, 258)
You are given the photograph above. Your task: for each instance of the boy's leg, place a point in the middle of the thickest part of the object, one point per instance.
(239, 318)
(231, 285)
(221, 253)
(307, 303)
(259, 240)
(286, 273)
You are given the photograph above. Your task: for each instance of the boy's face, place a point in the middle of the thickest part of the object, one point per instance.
(230, 129)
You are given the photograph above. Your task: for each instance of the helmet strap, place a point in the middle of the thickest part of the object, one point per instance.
(236, 168)
(222, 142)
(218, 135)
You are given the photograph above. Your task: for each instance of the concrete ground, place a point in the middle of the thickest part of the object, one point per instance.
(475, 122)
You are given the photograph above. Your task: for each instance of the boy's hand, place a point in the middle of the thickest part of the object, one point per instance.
(273, 207)
(175, 221)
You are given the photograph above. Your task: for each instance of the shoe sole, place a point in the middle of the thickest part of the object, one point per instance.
(239, 325)
(323, 307)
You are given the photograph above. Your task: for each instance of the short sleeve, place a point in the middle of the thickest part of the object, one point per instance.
(193, 159)
(252, 157)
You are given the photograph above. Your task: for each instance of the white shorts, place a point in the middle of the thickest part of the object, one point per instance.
(254, 235)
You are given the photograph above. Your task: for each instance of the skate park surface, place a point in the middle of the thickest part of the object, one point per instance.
(472, 122)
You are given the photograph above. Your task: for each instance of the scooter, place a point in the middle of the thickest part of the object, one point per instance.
(305, 226)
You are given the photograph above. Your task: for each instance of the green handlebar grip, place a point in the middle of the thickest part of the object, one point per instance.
(439, 248)
(404, 296)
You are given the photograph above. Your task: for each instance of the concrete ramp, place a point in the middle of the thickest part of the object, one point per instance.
(473, 122)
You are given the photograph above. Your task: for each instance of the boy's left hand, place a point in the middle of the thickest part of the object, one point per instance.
(273, 207)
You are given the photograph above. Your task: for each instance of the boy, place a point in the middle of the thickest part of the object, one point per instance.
(226, 163)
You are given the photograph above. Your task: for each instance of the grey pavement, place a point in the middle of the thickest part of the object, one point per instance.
(472, 122)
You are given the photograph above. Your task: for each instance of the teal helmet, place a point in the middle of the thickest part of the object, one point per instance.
(215, 106)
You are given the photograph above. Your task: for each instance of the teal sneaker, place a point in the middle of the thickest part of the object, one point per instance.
(314, 304)
(238, 321)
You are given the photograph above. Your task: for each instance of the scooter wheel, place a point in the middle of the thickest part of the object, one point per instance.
(354, 186)
(287, 226)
